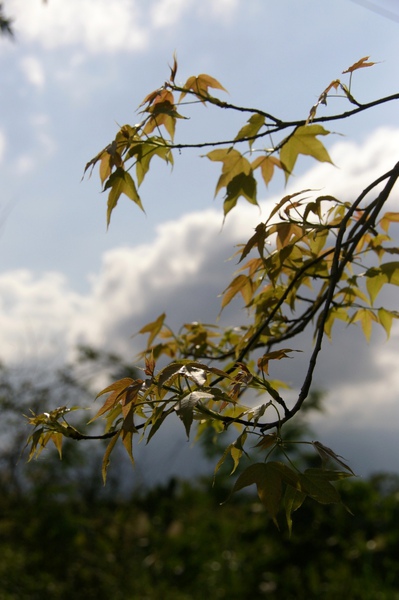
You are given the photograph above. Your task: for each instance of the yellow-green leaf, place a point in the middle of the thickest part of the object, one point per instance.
(153, 328)
(267, 164)
(385, 318)
(107, 454)
(387, 219)
(120, 182)
(233, 164)
(304, 141)
(200, 85)
(241, 284)
(255, 122)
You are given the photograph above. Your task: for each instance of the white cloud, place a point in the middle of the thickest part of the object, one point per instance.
(33, 70)
(181, 271)
(166, 13)
(103, 26)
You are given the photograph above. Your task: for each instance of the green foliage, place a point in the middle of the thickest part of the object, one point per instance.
(176, 541)
(315, 259)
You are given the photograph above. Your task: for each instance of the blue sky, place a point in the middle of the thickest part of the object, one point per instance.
(78, 68)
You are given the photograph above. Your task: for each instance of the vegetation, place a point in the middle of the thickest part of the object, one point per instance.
(62, 537)
(177, 542)
(315, 259)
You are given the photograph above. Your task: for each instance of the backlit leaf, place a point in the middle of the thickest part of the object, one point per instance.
(200, 85)
(366, 318)
(120, 182)
(263, 361)
(233, 164)
(107, 454)
(267, 164)
(255, 122)
(186, 405)
(387, 219)
(293, 499)
(240, 185)
(257, 239)
(385, 318)
(240, 284)
(360, 64)
(304, 141)
(153, 328)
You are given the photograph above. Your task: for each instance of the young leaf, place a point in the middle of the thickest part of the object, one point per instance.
(241, 185)
(360, 64)
(186, 405)
(263, 362)
(327, 454)
(200, 85)
(385, 318)
(107, 454)
(153, 328)
(240, 284)
(255, 122)
(234, 163)
(120, 182)
(258, 239)
(293, 499)
(267, 164)
(304, 141)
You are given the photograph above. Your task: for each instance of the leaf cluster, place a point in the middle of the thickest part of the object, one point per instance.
(316, 259)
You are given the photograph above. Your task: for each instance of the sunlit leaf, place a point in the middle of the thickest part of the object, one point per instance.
(263, 361)
(153, 328)
(234, 163)
(200, 86)
(366, 318)
(120, 182)
(258, 240)
(387, 219)
(267, 165)
(186, 405)
(107, 454)
(385, 318)
(304, 141)
(360, 64)
(240, 284)
(254, 124)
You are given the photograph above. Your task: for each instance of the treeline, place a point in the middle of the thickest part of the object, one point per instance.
(178, 542)
(63, 535)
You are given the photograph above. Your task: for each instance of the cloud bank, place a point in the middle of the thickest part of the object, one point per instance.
(108, 27)
(182, 271)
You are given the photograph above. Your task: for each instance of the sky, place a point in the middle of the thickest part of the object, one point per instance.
(78, 69)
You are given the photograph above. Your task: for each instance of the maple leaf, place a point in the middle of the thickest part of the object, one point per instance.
(360, 64)
(304, 141)
(199, 85)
